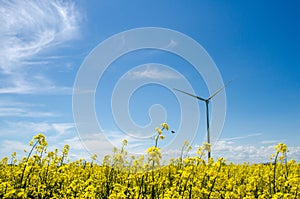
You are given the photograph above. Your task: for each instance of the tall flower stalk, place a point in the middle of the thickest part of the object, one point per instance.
(164, 126)
(280, 148)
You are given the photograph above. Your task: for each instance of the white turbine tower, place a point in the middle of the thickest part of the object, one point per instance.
(207, 110)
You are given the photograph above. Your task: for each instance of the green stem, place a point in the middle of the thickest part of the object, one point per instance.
(22, 176)
(274, 173)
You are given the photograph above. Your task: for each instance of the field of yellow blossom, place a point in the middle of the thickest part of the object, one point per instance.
(47, 174)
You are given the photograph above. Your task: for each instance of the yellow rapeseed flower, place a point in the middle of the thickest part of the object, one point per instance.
(159, 131)
(165, 126)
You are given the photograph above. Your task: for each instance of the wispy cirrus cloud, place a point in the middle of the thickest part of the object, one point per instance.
(23, 112)
(23, 84)
(242, 137)
(18, 109)
(29, 28)
(151, 73)
(171, 44)
(54, 129)
(269, 141)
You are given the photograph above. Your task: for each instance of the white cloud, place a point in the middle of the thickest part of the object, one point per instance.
(79, 149)
(269, 142)
(10, 146)
(29, 28)
(96, 143)
(56, 128)
(21, 133)
(11, 103)
(237, 153)
(249, 153)
(17, 109)
(242, 137)
(171, 44)
(151, 73)
(23, 84)
(23, 112)
(23, 129)
(63, 128)
(231, 151)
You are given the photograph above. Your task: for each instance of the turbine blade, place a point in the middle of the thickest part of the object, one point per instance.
(199, 98)
(214, 94)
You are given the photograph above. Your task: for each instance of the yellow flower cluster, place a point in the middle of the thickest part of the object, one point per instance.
(164, 126)
(49, 174)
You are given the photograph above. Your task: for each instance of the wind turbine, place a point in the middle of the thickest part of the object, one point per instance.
(207, 111)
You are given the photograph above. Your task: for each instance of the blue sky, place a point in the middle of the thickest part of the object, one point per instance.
(43, 45)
